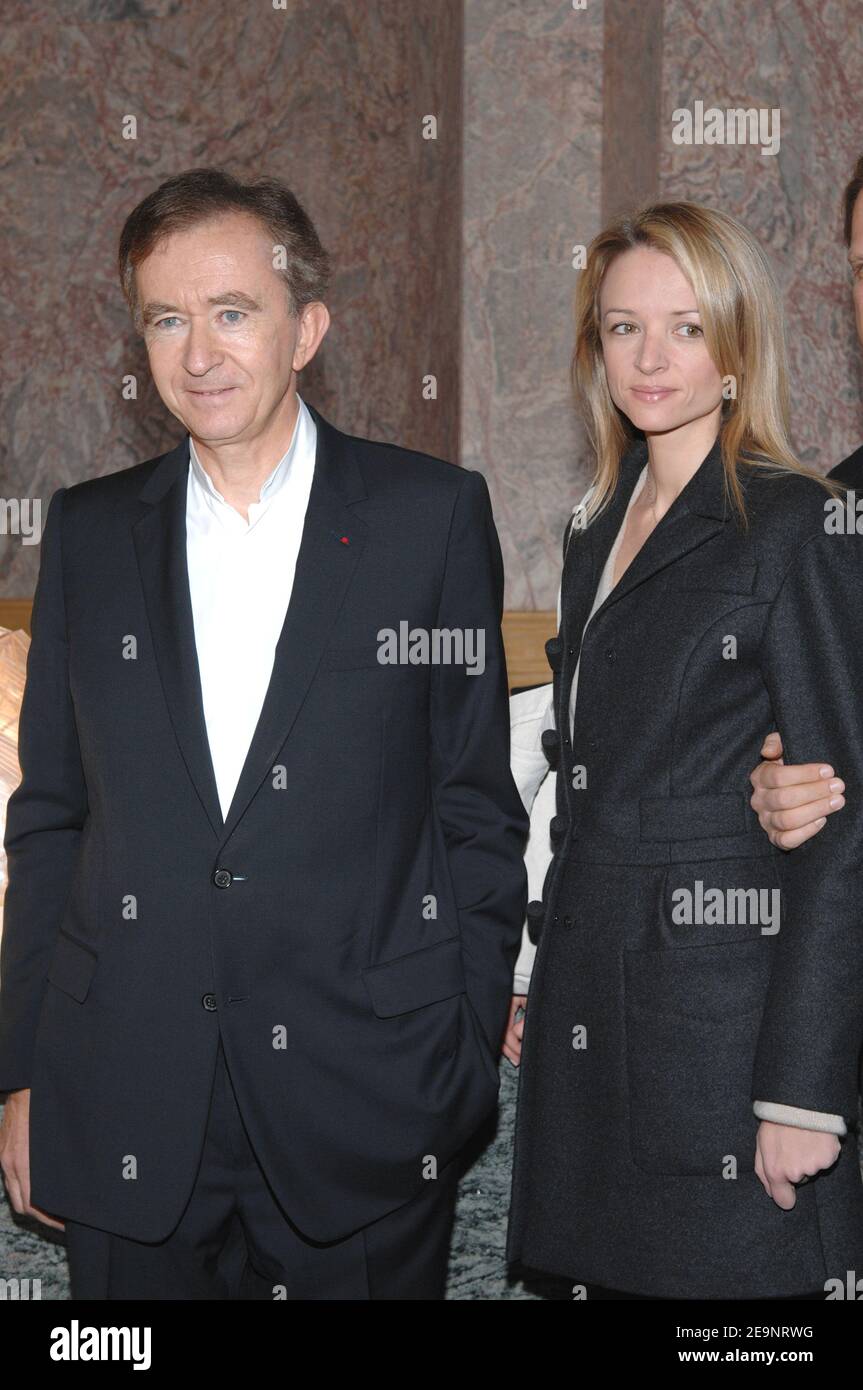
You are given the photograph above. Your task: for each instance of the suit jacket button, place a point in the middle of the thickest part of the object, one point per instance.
(567, 921)
(223, 878)
(609, 654)
(557, 829)
(209, 1002)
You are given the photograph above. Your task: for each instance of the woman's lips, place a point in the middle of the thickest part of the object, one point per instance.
(650, 393)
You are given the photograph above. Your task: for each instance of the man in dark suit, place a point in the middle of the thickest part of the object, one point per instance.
(266, 877)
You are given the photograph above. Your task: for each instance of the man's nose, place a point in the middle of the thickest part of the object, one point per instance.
(200, 350)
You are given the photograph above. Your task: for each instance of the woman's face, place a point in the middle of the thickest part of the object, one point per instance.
(657, 365)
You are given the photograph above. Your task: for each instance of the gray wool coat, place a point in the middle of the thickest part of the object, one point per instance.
(685, 966)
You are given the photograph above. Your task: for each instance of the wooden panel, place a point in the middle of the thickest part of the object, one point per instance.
(15, 613)
(524, 635)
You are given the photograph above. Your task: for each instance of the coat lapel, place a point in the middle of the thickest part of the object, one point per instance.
(325, 567)
(698, 512)
(588, 548)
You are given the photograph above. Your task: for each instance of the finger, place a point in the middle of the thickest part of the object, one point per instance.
(790, 839)
(797, 817)
(772, 745)
(773, 800)
(783, 1194)
(772, 774)
(13, 1187)
(45, 1219)
(759, 1170)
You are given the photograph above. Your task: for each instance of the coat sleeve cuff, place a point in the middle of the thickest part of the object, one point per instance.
(801, 1119)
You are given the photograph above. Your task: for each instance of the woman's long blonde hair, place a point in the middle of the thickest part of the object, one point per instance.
(742, 320)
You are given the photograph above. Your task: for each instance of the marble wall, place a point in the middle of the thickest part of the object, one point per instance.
(329, 95)
(454, 256)
(804, 60)
(532, 184)
(568, 121)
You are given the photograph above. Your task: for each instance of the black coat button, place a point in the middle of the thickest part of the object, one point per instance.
(551, 746)
(610, 654)
(567, 921)
(557, 829)
(554, 651)
(535, 914)
(209, 1002)
(223, 878)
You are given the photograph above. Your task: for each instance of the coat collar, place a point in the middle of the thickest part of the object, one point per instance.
(698, 512)
(325, 568)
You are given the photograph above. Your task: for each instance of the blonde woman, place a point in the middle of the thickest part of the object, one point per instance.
(691, 1046)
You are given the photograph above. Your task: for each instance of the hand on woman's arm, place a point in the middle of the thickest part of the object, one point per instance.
(792, 802)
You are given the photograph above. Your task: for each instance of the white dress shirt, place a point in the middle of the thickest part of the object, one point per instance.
(241, 574)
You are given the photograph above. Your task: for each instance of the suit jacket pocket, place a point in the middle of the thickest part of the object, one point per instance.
(692, 1017)
(72, 966)
(420, 997)
(421, 977)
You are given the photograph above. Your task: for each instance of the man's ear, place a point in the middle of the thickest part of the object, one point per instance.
(314, 320)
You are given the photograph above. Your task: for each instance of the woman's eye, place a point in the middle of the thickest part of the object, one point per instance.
(615, 328)
(696, 331)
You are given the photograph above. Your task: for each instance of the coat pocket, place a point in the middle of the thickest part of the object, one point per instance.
(692, 1018)
(72, 966)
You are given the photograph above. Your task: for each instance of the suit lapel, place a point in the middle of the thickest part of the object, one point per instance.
(160, 544)
(325, 567)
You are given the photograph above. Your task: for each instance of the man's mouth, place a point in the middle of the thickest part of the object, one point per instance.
(213, 394)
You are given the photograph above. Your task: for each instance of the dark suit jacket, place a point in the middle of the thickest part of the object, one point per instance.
(850, 470)
(361, 1026)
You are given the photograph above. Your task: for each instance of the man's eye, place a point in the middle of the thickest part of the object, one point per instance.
(172, 318)
(238, 312)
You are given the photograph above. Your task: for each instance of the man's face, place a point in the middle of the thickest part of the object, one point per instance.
(222, 343)
(855, 257)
